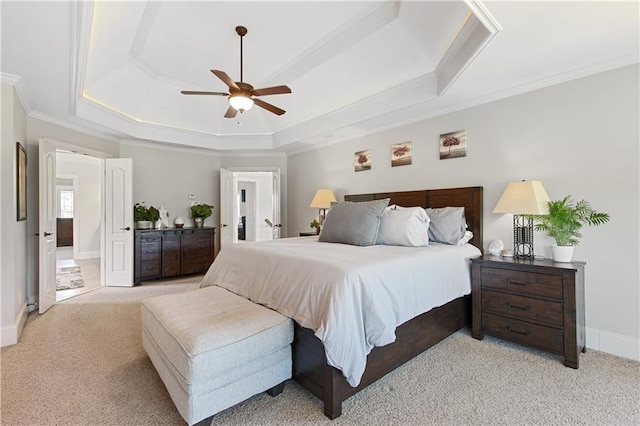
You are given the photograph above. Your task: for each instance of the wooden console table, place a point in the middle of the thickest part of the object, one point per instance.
(171, 252)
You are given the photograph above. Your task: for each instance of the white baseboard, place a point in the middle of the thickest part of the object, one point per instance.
(10, 334)
(612, 343)
(88, 254)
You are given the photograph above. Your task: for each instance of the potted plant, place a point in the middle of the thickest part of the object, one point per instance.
(145, 216)
(199, 212)
(315, 225)
(564, 222)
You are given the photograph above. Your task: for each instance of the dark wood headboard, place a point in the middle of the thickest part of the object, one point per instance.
(470, 198)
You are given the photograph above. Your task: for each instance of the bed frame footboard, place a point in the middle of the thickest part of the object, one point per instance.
(311, 370)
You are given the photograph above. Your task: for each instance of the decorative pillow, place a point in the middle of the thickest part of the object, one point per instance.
(353, 223)
(448, 224)
(402, 226)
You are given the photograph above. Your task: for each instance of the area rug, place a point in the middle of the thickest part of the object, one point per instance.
(68, 278)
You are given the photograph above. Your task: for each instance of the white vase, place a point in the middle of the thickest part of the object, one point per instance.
(562, 253)
(143, 224)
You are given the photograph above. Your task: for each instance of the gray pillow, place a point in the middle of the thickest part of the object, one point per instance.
(353, 223)
(448, 224)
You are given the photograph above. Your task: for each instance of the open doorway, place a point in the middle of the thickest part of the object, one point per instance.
(249, 205)
(78, 224)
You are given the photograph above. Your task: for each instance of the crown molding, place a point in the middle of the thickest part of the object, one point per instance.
(71, 126)
(16, 82)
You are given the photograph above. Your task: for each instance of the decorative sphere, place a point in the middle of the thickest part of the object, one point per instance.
(495, 247)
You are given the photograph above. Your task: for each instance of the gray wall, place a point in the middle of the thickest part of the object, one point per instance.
(578, 138)
(13, 244)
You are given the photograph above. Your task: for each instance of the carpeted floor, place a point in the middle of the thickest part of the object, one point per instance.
(83, 364)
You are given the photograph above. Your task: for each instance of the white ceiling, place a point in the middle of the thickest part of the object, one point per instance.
(117, 68)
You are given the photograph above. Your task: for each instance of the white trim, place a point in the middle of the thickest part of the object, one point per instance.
(58, 122)
(10, 334)
(88, 255)
(16, 82)
(613, 343)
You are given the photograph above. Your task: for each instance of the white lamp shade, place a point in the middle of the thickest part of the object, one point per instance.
(323, 199)
(526, 197)
(241, 103)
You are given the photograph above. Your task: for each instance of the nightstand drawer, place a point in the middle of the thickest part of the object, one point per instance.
(521, 307)
(523, 282)
(539, 336)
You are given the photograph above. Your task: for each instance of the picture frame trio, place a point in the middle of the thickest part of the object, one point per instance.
(451, 145)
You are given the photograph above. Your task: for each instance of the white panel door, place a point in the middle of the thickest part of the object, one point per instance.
(228, 191)
(47, 226)
(118, 222)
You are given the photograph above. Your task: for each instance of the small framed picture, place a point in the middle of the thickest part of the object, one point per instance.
(453, 145)
(362, 160)
(21, 170)
(401, 154)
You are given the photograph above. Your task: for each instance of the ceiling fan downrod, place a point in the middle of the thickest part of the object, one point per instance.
(242, 31)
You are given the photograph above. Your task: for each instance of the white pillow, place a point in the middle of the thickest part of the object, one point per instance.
(401, 226)
(468, 235)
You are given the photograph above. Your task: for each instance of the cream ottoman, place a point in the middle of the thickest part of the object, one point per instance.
(214, 349)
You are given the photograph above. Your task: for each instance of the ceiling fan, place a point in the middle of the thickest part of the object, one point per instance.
(241, 95)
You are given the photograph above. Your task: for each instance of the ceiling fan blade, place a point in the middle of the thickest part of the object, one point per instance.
(225, 78)
(274, 109)
(231, 112)
(275, 90)
(196, 92)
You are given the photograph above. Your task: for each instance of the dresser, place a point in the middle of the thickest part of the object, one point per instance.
(538, 303)
(171, 252)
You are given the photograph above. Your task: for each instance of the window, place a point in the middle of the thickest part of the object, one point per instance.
(65, 202)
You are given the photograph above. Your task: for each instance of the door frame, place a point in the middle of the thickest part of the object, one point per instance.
(76, 149)
(277, 192)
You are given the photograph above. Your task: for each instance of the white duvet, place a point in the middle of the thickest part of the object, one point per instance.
(352, 297)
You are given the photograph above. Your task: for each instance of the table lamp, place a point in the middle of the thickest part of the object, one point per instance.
(523, 200)
(322, 201)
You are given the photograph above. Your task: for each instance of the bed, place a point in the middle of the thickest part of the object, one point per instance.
(346, 306)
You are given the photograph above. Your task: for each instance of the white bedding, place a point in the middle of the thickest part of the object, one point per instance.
(352, 297)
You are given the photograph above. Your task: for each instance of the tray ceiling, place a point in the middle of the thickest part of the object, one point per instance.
(353, 67)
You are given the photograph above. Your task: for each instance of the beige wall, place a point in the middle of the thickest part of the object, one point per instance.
(579, 138)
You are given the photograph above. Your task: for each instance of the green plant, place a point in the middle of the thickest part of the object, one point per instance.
(201, 210)
(566, 218)
(144, 213)
(315, 224)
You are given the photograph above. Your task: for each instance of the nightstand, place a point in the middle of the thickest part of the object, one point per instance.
(307, 234)
(538, 303)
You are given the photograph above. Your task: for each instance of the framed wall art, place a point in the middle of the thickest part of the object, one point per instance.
(401, 154)
(453, 145)
(21, 190)
(362, 160)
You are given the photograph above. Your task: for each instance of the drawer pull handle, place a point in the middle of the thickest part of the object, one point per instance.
(522, 308)
(524, 333)
(510, 281)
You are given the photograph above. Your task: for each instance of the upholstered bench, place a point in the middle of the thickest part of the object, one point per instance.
(214, 349)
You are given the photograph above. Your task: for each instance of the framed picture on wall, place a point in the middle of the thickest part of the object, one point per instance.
(21, 190)
(401, 154)
(362, 160)
(453, 145)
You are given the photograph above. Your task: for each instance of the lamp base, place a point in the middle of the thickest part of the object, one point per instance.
(523, 236)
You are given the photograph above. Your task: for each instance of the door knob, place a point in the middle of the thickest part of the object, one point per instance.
(128, 228)
(224, 225)
(46, 234)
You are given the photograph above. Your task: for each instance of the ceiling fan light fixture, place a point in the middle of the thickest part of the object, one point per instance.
(240, 102)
